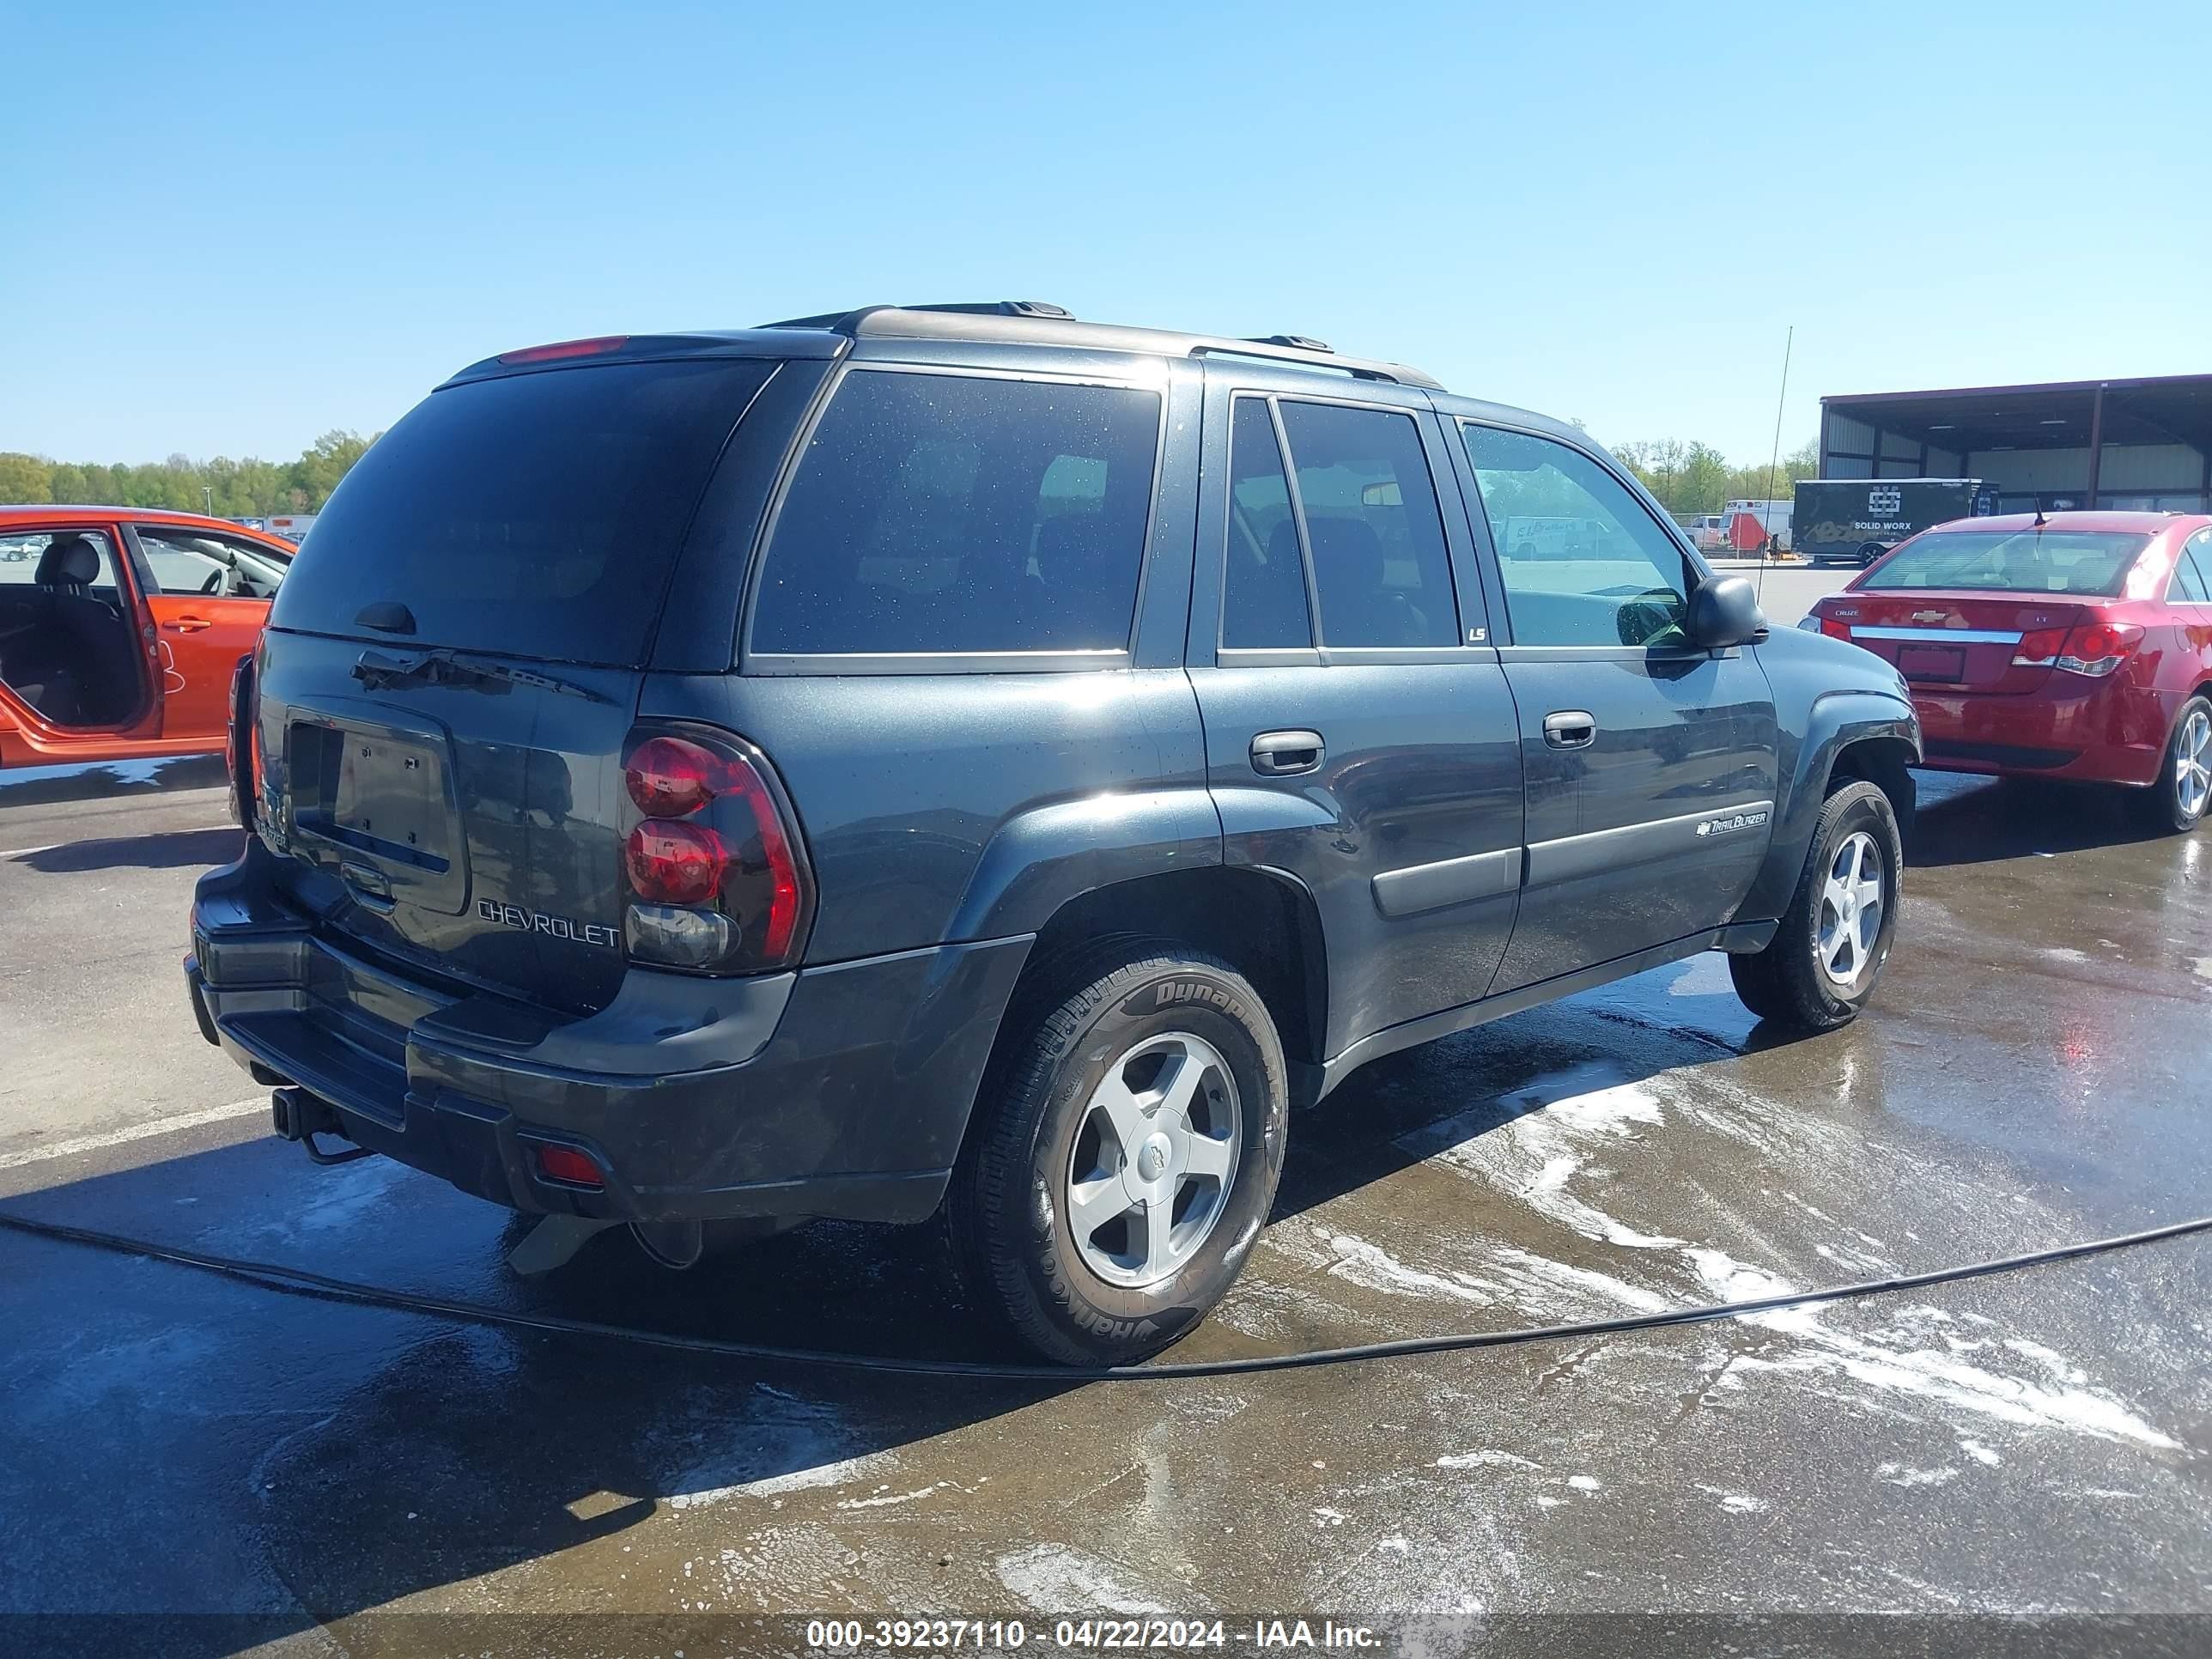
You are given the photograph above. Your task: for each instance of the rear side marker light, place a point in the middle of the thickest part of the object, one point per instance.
(568, 1166)
(596, 347)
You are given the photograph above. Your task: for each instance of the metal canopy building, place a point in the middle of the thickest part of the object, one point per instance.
(2129, 444)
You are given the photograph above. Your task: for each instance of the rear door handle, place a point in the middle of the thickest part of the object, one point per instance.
(187, 624)
(1286, 754)
(1571, 729)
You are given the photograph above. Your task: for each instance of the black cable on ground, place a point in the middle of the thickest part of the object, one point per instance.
(298, 1281)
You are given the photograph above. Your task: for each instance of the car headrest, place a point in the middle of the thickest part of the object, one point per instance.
(69, 562)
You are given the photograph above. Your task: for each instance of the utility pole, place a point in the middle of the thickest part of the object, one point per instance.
(207, 495)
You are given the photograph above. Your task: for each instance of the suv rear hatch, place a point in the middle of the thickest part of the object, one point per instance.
(449, 682)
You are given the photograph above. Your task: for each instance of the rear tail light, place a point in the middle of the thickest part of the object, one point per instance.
(1834, 630)
(2041, 648)
(717, 877)
(674, 863)
(2099, 647)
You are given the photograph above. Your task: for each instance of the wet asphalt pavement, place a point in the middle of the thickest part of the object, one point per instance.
(2034, 1071)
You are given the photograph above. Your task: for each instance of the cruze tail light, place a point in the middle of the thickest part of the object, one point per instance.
(2098, 648)
(1834, 630)
(2038, 649)
(716, 873)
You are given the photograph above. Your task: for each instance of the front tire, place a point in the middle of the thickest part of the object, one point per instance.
(2176, 801)
(1821, 966)
(1125, 1154)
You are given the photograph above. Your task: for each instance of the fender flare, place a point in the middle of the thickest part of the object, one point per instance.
(1835, 720)
(1038, 860)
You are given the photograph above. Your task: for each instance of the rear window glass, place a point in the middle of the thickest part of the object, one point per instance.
(937, 513)
(535, 515)
(2091, 563)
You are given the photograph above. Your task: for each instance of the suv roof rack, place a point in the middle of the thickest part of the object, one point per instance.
(1034, 322)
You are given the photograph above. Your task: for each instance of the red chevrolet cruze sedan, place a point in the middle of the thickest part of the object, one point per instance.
(2067, 645)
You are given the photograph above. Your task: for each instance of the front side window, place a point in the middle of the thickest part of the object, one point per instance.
(942, 512)
(1582, 563)
(200, 562)
(2085, 563)
(1374, 530)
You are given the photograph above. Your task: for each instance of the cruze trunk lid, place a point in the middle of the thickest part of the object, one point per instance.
(1956, 641)
(454, 666)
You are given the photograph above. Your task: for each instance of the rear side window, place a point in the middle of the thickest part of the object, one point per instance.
(2192, 572)
(1377, 534)
(534, 515)
(942, 512)
(1264, 602)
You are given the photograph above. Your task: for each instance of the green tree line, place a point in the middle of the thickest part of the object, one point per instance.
(250, 488)
(1691, 478)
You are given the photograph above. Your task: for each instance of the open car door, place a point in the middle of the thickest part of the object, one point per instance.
(208, 597)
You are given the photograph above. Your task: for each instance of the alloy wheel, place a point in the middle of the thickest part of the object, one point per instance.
(2192, 763)
(1851, 902)
(1154, 1159)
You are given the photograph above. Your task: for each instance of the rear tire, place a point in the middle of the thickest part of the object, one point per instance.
(1126, 1154)
(1821, 966)
(2176, 801)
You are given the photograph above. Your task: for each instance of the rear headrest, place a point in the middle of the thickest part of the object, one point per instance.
(69, 562)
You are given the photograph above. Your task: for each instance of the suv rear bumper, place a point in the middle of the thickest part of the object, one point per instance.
(840, 1091)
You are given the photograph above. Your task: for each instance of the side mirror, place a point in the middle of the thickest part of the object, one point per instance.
(1724, 612)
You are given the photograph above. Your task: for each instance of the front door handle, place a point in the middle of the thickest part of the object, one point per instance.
(187, 624)
(1286, 754)
(1571, 729)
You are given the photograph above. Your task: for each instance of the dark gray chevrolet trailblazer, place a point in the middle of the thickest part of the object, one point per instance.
(959, 759)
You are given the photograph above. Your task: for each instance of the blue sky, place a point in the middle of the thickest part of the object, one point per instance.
(234, 228)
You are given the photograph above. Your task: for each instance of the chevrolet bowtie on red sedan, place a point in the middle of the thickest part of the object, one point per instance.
(2070, 645)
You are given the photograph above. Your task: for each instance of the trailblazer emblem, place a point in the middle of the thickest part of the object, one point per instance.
(1733, 822)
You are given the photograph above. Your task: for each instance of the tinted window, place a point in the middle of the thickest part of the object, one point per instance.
(1372, 524)
(536, 515)
(1264, 594)
(2091, 563)
(2193, 576)
(1583, 563)
(954, 512)
(199, 562)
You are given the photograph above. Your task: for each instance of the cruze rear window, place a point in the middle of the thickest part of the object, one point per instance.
(942, 512)
(2088, 563)
(533, 515)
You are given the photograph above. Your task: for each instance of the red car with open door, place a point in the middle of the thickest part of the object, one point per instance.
(2065, 645)
(120, 629)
